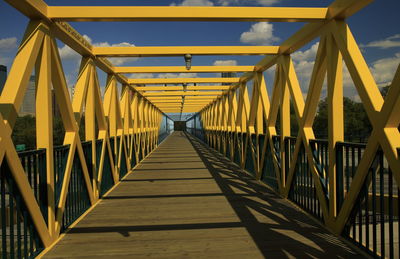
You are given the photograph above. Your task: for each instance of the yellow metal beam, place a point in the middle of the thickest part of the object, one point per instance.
(180, 107)
(181, 51)
(339, 9)
(179, 102)
(181, 93)
(180, 88)
(185, 13)
(182, 69)
(144, 81)
(200, 98)
(38, 10)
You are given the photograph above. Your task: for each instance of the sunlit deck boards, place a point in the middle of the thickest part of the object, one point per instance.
(186, 201)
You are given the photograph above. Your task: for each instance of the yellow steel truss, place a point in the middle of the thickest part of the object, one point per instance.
(229, 117)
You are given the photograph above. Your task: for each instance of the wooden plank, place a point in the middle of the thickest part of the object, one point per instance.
(185, 200)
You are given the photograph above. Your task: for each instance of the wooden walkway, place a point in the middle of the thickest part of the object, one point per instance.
(187, 201)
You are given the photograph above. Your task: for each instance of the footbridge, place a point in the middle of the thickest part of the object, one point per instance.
(243, 174)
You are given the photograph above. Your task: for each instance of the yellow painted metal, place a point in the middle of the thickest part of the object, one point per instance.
(185, 13)
(181, 51)
(44, 123)
(179, 104)
(182, 93)
(71, 136)
(182, 80)
(178, 69)
(335, 116)
(226, 115)
(181, 88)
(200, 98)
(11, 99)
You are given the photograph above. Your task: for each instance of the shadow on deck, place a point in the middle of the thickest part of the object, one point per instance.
(187, 200)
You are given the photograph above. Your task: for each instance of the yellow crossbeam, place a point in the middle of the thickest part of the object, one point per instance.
(200, 98)
(178, 98)
(181, 51)
(181, 93)
(182, 69)
(178, 106)
(186, 102)
(143, 81)
(185, 13)
(180, 88)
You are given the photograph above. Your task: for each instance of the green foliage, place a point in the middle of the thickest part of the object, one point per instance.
(357, 127)
(24, 132)
(58, 131)
(384, 90)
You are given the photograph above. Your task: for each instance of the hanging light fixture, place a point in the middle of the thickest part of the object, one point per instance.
(188, 61)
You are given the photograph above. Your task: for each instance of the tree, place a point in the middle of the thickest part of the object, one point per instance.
(24, 132)
(357, 126)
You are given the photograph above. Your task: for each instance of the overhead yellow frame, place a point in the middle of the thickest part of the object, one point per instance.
(226, 118)
(181, 88)
(181, 51)
(184, 13)
(197, 98)
(182, 69)
(146, 81)
(182, 93)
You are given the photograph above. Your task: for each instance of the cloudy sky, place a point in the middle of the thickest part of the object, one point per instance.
(375, 28)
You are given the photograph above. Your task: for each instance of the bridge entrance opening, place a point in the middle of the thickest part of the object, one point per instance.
(179, 125)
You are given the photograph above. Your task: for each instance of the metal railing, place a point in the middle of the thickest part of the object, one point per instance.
(374, 220)
(303, 191)
(19, 238)
(77, 201)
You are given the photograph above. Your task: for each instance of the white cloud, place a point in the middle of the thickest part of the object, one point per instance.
(67, 53)
(306, 55)
(259, 34)
(141, 75)
(117, 61)
(244, 2)
(4, 60)
(180, 75)
(389, 42)
(194, 3)
(384, 69)
(304, 63)
(225, 63)
(120, 60)
(8, 43)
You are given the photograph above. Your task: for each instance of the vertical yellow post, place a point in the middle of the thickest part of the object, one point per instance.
(335, 115)
(284, 119)
(259, 121)
(90, 126)
(44, 124)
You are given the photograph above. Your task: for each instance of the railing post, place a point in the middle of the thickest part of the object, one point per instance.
(335, 116)
(339, 176)
(44, 125)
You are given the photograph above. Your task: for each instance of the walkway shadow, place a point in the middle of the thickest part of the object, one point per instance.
(284, 231)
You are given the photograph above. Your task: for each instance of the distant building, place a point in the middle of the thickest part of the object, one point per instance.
(3, 77)
(28, 106)
(71, 91)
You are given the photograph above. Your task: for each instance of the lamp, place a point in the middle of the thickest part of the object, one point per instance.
(188, 61)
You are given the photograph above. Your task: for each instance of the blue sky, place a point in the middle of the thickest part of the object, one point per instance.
(376, 29)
